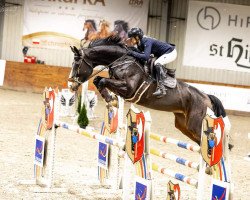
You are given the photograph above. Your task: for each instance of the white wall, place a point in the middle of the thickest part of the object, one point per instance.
(12, 41)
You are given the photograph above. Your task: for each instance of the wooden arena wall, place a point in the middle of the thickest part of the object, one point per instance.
(35, 77)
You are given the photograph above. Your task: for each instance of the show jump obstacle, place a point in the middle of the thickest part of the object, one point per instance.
(213, 152)
(214, 135)
(45, 145)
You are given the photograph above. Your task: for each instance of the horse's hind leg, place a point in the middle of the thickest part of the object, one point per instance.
(194, 122)
(181, 124)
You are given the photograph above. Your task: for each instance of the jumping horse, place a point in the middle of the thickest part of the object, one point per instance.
(128, 79)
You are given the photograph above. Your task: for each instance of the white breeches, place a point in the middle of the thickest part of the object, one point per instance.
(167, 58)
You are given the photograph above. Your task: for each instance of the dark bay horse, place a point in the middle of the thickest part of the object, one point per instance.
(128, 79)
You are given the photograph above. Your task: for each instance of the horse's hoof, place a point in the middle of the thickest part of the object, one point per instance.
(101, 83)
(230, 146)
(159, 93)
(108, 99)
(96, 80)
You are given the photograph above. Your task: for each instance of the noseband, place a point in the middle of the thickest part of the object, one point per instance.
(79, 63)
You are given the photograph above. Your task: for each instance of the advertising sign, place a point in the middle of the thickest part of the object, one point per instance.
(59, 23)
(217, 36)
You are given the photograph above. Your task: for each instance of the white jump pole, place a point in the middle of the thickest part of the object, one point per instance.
(2, 71)
(85, 86)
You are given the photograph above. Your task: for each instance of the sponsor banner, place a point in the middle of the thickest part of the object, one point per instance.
(217, 36)
(232, 98)
(2, 71)
(59, 24)
(220, 190)
(39, 151)
(103, 155)
(142, 188)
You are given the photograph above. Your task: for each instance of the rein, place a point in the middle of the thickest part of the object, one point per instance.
(104, 67)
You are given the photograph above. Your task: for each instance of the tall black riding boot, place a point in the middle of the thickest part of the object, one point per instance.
(160, 76)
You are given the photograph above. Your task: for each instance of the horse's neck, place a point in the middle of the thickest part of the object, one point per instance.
(104, 34)
(91, 29)
(98, 54)
(91, 34)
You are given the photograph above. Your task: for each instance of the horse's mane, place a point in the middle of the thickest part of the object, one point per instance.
(110, 40)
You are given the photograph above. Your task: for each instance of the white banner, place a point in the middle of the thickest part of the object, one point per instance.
(232, 98)
(217, 36)
(2, 71)
(57, 24)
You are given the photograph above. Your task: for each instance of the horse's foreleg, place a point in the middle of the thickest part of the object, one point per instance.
(119, 87)
(102, 90)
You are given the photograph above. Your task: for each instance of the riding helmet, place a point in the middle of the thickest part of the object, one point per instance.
(135, 32)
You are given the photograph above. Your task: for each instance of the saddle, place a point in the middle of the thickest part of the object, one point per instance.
(149, 67)
(168, 81)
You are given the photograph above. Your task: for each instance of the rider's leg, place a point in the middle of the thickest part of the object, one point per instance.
(160, 76)
(167, 58)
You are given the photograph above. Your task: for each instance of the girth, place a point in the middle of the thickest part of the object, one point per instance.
(140, 91)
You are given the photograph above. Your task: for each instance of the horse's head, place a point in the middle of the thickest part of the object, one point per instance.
(100, 52)
(89, 24)
(81, 69)
(104, 25)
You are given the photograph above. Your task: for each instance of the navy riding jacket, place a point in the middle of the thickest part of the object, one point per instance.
(152, 46)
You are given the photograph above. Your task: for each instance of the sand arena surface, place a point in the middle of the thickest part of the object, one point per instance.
(75, 162)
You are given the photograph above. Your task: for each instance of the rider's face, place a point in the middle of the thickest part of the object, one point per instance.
(133, 40)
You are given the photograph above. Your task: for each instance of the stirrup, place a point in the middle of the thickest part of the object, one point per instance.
(170, 82)
(159, 92)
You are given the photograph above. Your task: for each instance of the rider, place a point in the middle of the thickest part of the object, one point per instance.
(165, 53)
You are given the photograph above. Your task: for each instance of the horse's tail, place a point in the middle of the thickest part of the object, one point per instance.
(218, 108)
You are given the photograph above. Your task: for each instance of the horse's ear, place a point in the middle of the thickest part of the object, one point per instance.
(77, 51)
(72, 49)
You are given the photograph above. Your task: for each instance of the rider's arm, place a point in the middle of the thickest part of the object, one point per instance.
(147, 51)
